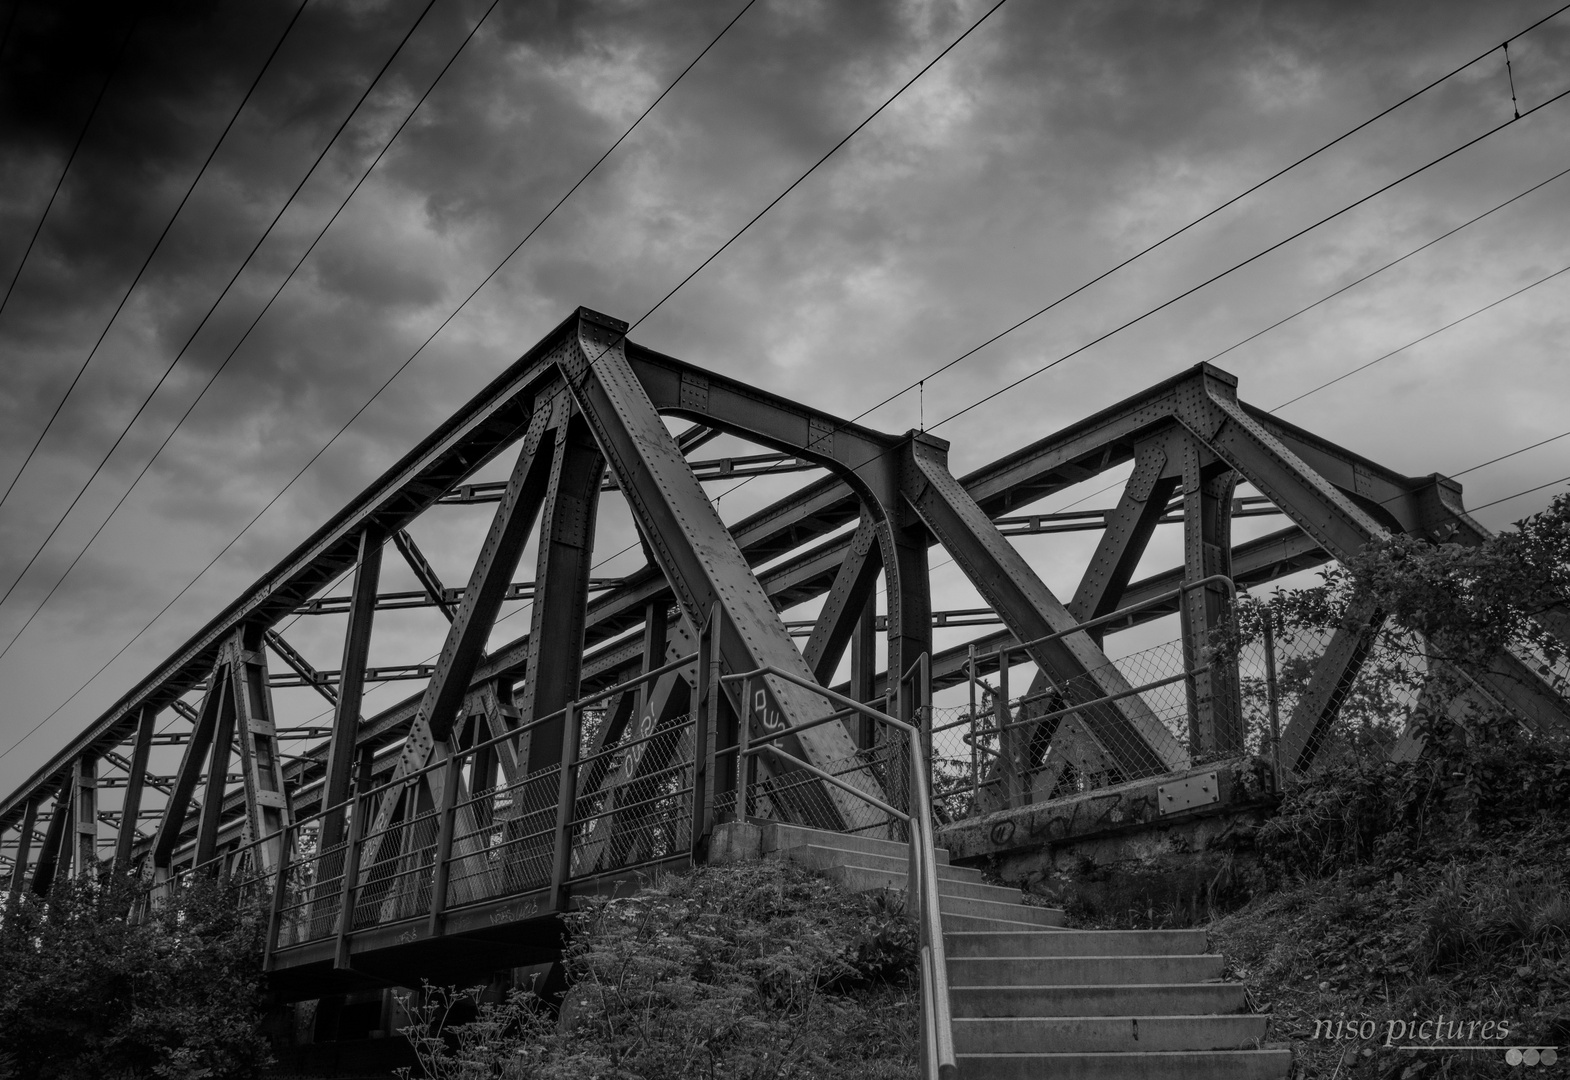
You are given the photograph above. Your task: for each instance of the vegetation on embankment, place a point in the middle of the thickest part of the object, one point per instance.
(88, 993)
(753, 970)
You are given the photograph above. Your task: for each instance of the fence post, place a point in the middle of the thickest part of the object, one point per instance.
(351, 871)
(1272, 702)
(561, 867)
(975, 763)
(924, 710)
(280, 887)
(704, 734)
(743, 744)
(445, 824)
(1008, 760)
(1191, 687)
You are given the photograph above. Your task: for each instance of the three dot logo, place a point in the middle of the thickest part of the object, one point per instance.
(1531, 1055)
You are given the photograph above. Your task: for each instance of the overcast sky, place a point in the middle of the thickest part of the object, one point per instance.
(1052, 143)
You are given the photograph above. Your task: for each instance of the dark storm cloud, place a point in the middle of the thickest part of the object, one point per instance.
(1054, 141)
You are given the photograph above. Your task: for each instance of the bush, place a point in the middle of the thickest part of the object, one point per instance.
(756, 970)
(86, 992)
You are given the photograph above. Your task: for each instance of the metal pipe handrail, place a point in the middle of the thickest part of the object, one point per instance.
(830, 778)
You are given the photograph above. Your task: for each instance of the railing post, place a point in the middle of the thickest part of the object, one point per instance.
(705, 732)
(444, 830)
(1191, 686)
(280, 890)
(924, 709)
(975, 760)
(348, 888)
(743, 745)
(1008, 760)
(1272, 702)
(561, 864)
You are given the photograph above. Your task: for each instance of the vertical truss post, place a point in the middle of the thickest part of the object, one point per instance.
(445, 822)
(217, 762)
(24, 847)
(561, 861)
(84, 814)
(864, 670)
(349, 886)
(54, 836)
(1215, 708)
(167, 838)
(561, 591)
(351, 683)
(136, 780)
(654, 642)
(261, 769)
(275, 908)
(704, 731)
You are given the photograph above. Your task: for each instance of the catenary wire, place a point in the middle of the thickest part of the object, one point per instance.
(1425, 337)
(351, 420)
(157, 244)
(1252, 258)
(75, 147)
(219, 370)
(212, 309)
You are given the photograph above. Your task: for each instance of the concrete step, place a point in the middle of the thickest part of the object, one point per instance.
(859, 878)
(778, 836)
(997, 910)
(1077, 943)
(1161, 1065)
(1142, 999)
(971, 924)
(1106, 1034)
(1082, 970)
(823, 857)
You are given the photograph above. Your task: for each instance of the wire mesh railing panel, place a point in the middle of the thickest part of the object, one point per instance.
(312, 894)
(799, 797)
(634, 802)
(396, 869)
(502, 839)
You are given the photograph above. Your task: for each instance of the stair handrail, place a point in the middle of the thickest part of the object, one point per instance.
(937, 1022)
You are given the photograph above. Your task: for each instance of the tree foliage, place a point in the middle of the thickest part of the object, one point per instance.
(87, 991)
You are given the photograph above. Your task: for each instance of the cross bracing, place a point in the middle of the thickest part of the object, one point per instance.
(586, 411)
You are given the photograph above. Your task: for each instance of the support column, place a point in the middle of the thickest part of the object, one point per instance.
(24, 847)
(136, 780)
(1215, 707)
(351, 685)
(85, 814)
(561, 591)
(261, 769)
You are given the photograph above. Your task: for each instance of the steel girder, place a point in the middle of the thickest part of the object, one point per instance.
(1337, 501)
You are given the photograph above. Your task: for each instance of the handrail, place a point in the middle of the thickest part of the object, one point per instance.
(938, 1058)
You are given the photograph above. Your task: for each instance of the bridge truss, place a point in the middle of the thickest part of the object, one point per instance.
(613, 699)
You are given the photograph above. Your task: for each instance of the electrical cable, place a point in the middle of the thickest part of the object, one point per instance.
(1252, 258)
(219, 370)
(212, 309)
(1217, 209)
(157, 244)
(76, 146)
(362, 408)
(1425, 337)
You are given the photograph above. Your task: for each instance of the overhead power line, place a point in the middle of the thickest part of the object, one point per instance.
(275, 498)
(157, 244)
(1416, 341)
(70, 159)
(1253, 258)
(211, 310)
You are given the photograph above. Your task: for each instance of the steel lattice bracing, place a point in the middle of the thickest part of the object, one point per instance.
(585, 413)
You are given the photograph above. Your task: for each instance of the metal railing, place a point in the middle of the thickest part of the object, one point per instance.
(938, 1060)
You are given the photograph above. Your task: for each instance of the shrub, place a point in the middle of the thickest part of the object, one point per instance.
(756, 970)
(86, 992)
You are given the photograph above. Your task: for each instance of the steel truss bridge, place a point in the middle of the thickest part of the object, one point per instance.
(446, 831)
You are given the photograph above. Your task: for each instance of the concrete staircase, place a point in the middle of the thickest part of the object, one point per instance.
(1032, 999)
